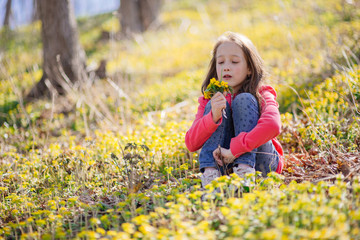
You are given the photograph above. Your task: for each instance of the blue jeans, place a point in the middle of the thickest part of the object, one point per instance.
(242, 116)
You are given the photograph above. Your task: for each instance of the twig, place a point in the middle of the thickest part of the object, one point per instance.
(333, 177)
(224, 113)
(352, 171)
(222, 161)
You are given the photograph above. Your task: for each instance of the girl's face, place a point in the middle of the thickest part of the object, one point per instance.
(231, 65)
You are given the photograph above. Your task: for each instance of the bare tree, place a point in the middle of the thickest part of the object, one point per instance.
(130, 17)
(63, 57)
(7, 14)
(137, 15)
(35, 14)
(149, 10)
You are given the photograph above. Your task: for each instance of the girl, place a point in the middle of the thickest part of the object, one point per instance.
(247, 131)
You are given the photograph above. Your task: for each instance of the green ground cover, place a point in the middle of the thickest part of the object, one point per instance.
(109, 160)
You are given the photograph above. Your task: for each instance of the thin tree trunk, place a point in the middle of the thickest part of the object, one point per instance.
(35, 15)
(149, 10)
(136, 16)
(130, 17)
(7, 14)
(64, 59)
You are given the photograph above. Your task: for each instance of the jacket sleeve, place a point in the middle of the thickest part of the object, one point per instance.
(268, 125)
(202, 128)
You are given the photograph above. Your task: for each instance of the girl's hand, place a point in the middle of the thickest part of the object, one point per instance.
(218, 103)
(226, 154)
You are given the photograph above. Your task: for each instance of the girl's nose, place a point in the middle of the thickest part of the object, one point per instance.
(226, 69)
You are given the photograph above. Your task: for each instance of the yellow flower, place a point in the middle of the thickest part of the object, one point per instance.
(224, 84)
(146, 229)
(207, 95)
(100, 231)
(216, 86)
(128, 228)
(14, 212)
(94, 221)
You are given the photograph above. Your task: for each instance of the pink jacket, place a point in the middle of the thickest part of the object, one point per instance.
(267, 128)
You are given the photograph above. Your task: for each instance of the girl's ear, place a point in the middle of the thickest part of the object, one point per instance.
(249, 72)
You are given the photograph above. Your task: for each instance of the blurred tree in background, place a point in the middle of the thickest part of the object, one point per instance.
(7, 14)
(35, 14)
(63, 57)
(137, 16)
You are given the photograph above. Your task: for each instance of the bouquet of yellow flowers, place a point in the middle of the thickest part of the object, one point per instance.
(216, 86)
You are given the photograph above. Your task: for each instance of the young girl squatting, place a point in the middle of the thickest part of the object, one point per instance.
(247, 135)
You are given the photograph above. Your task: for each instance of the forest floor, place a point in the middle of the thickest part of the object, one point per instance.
(108, 160)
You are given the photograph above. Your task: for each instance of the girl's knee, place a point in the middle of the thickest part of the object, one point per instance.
(245, 103)
(245, 97)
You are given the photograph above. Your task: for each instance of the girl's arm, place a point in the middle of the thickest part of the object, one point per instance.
(268, 125)
(202, 128)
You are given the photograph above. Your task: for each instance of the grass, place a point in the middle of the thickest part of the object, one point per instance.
(109, 160)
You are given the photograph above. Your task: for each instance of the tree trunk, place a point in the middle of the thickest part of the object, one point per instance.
(149, 10)
(7, 13)
(64, 59)
(130, 17)
(35, 14)
(137, 15)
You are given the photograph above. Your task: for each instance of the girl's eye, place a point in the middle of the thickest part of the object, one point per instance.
(235, 62)
(220, 62)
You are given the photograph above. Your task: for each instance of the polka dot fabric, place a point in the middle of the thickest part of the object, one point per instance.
(242, 116)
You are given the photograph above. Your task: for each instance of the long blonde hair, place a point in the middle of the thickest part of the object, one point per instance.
(253, 60)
